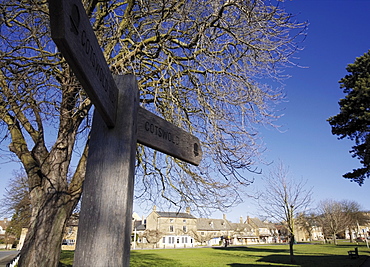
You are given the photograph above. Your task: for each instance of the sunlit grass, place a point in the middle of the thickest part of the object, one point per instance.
(306, 255)
(66, 258)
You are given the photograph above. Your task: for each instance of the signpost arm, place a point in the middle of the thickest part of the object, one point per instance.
(104, 230)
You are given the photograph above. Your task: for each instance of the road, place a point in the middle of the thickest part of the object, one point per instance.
(6, 256)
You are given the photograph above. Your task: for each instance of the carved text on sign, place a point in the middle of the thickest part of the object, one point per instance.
(89, 50)
(158, 131)
(164, 136)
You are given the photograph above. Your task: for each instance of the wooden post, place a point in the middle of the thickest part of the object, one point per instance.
(104, 230)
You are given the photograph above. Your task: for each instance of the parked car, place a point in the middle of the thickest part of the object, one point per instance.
(360, 239)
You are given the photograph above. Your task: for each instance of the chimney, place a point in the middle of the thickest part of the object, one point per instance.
(241, 219)
(188, 210)
(154, 208)
(224, 216)
(248, 220)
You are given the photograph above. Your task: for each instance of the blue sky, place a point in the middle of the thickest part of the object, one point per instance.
(338, 32)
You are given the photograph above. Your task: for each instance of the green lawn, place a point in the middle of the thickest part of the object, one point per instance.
(307, 255)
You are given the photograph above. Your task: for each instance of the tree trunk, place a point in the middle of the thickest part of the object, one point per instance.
(350, 235)
(44, 237)
(291, 252)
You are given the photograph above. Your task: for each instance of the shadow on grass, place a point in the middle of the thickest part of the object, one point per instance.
(317, 261)
(66, 260)
(265, 256)
(305, 261)
(149, 259)
(276, 258)
(253, 249)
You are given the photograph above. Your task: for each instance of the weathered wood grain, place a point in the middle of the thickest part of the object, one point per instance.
(104, 230)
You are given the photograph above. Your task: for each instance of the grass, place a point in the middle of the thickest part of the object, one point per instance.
(306, 255)
(66, 258)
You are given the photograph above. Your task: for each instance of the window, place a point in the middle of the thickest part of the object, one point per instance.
(171, 220)
(164, 240)
(201, 233)
(68, 242)
(184, 221)
(178, 240)
(184, 228)
(171, 228)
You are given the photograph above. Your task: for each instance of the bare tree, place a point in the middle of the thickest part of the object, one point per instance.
(198, 65)
(284, 198)
(307, 222)
(355, 215)
(333, 218)
(201, 236)
(16, 201)
(153, 236)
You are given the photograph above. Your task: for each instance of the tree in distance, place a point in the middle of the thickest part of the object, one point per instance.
(333, 218)
(16, 201)
(284, 198)
(200, 65)
(356, 216)
(307, 222)
(336, 217)
(353, 119)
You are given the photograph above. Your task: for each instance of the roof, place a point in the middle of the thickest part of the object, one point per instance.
(213, 224)
(257, 222)
(175, 215)
(141, 227)
(241, 227)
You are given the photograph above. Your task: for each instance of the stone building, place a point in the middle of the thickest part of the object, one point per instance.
(70, 234)
(213, 231)
(170, 229)
(6, 240)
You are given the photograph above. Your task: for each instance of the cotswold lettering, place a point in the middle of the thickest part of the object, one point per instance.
(89, 50)
(158, 131)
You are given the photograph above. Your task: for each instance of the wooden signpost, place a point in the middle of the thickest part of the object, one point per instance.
(72, 32)
(104, 234)
(163, 136)
(104, 228)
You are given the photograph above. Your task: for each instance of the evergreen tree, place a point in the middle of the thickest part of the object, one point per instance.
(353, 121)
